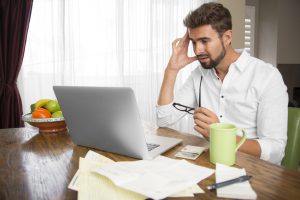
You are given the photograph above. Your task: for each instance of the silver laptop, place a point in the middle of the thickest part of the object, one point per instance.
(107, 118)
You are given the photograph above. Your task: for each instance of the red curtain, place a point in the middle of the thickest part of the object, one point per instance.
(14, 22)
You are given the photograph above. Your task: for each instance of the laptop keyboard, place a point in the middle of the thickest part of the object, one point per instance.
(152, 146)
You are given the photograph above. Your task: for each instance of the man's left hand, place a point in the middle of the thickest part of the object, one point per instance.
(203, 117)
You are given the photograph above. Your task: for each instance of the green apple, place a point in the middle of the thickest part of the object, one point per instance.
(57, 114)
(52, 106)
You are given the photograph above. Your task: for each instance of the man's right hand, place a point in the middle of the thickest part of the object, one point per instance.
(180, 58)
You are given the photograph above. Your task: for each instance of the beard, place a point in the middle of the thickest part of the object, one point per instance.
(213, 62)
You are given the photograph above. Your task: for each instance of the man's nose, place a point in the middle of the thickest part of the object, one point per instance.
(199, 48)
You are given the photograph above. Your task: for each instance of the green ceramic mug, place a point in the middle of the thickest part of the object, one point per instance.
(222, 143)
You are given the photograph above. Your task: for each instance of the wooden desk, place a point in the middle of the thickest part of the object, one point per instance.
(40, 166)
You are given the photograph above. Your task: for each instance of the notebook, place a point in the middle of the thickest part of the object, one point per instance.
(107, 118)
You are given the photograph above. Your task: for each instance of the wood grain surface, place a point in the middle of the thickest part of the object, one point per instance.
(40, 166)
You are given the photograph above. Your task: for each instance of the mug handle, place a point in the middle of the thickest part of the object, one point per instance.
(242, 140)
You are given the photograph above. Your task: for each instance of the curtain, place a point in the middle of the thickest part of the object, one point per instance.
(14, 21)
(103, 43)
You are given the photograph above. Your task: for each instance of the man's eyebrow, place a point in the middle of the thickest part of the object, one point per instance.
(200, 38)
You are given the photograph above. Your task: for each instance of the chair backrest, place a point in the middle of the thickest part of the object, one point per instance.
(292, 151)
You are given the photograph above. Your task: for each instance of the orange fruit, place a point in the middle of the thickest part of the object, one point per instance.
(41, 113)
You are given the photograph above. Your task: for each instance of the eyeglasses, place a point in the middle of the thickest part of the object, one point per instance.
(188, 109)
(184, 108)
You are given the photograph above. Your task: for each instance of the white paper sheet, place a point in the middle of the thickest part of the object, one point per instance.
(157, 178)
(92, 186)
(92, 156)
(241, 190)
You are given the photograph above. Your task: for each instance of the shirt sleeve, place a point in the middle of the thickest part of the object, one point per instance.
(168, 115)
(272, 118)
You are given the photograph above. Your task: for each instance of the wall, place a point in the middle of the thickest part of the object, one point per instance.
(268, 31)
(288, 51)
(277, 37)
(277, 30)
(237, 10)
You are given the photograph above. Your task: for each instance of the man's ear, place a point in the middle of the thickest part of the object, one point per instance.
(227, 37)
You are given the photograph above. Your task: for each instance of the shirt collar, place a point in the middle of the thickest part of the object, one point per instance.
(241, 62)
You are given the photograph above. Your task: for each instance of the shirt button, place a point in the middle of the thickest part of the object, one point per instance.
(221, 116)
(222, 96)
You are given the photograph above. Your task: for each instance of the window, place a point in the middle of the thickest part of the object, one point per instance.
(249, 29)
(103, 43)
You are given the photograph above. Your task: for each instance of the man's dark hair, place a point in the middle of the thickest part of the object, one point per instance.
(214, 14)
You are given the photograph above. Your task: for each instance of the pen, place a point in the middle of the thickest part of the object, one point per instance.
(229, 182)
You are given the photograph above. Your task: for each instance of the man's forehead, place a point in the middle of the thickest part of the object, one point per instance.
(205, 31)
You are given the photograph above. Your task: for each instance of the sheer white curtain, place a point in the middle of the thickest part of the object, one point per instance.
(103, 43)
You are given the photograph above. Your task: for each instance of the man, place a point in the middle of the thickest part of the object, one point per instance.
(227, 87)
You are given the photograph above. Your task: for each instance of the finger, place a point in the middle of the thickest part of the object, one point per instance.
(206, 111)
(185, 43)
(202, 131)
(198, 115)
(199, 129)
(202, 124)
(174, 43)
(185, 39)
(198, 110)
(201, 116)
(186, 35)
(204, 118)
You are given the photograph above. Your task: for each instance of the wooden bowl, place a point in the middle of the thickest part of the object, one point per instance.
(46, 125)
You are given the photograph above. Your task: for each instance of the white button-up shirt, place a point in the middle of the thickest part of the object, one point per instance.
(252, 96)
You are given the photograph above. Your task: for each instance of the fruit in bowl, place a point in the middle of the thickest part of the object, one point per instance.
(46, 115)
